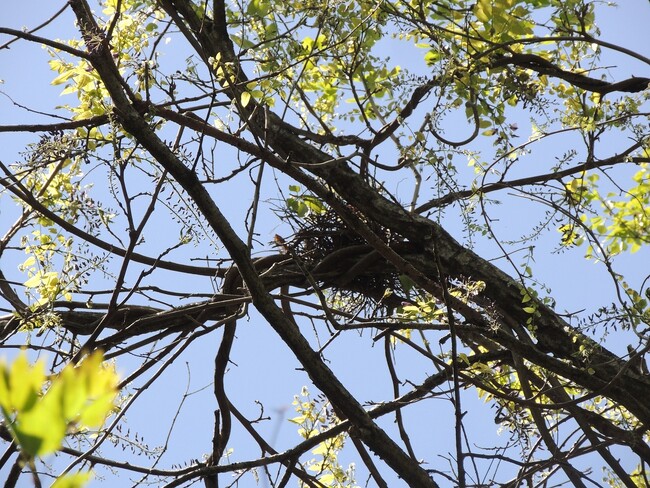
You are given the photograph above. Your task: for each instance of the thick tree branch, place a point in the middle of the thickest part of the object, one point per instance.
(323, 377)
(545, 67)
(553, 334)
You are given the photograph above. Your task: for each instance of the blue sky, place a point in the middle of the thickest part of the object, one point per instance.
(264, 369)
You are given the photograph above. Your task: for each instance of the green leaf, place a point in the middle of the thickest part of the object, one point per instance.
(79, 396)
(407, 283)
(483, 10)
(245, 98)
(24, 383)
(75, 480)
(41, 430)
(63, 77)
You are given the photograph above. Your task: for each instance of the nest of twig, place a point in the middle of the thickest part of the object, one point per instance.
(343, 259)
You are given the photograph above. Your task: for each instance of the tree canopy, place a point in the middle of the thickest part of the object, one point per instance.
(425, 223)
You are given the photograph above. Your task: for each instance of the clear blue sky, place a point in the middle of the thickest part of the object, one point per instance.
(265, 370)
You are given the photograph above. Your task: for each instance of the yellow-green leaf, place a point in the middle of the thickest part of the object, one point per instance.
(40, 430)
(75, 480)
(79, 397)
(24, 383)
(245, 98)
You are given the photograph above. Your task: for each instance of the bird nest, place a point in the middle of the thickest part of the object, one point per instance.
(341, 259)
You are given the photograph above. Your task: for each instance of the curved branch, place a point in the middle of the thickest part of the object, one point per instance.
(73, 124)
(323, 377)
(44, 40)
(553, 334)
(545, 67)
(19, 190)
(536, 179)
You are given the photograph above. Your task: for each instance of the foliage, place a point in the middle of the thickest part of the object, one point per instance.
(316, 417)
(39, 411)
